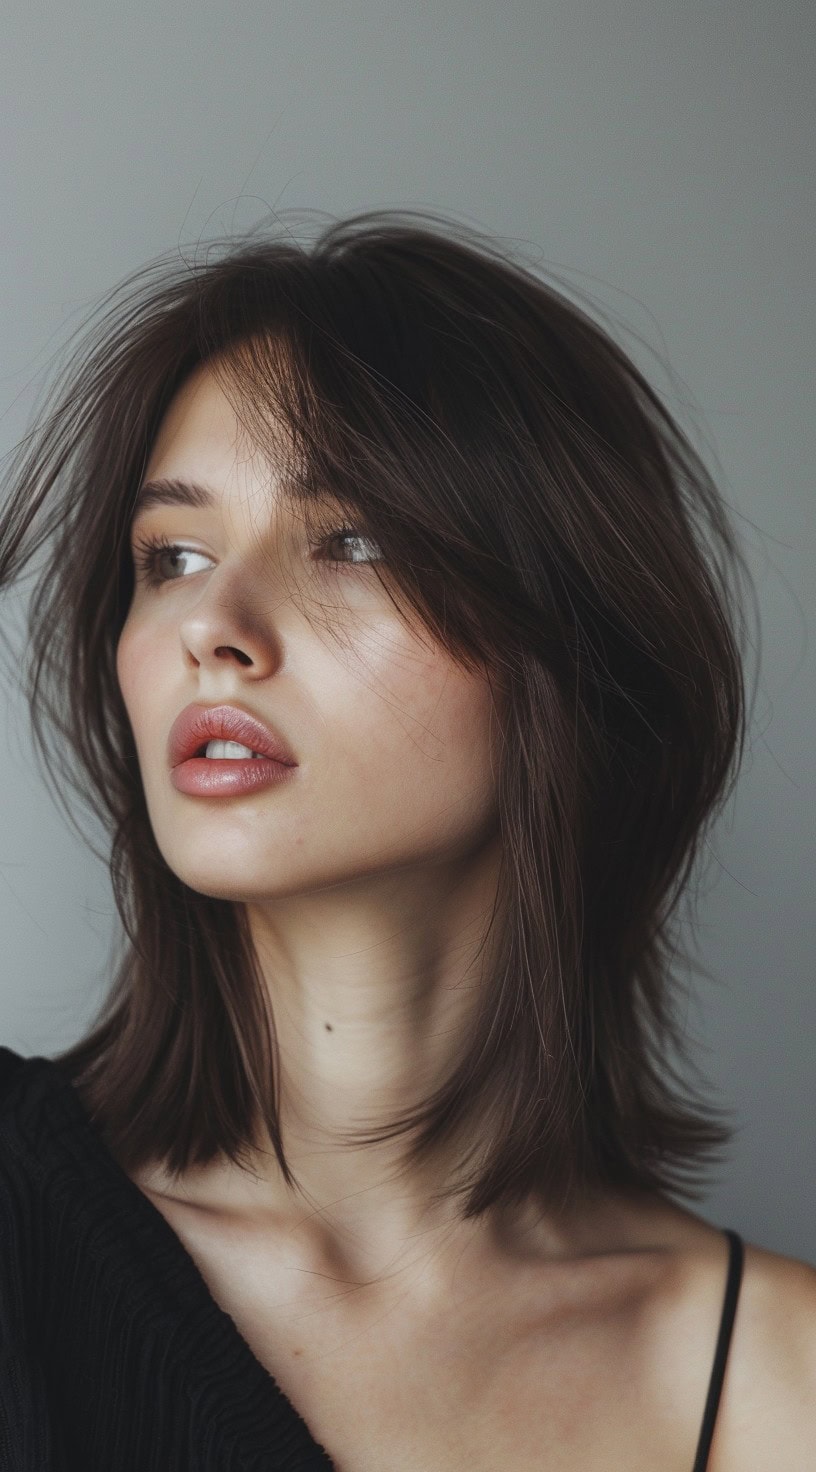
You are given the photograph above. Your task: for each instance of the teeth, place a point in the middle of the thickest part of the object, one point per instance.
(231, 750)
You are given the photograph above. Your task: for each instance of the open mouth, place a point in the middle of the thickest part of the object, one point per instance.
(223, 750)
(223, 769)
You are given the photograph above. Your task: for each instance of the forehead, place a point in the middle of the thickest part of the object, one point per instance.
(200, 422)
(203, 452)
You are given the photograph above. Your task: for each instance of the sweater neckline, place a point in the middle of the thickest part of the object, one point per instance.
(208, 1336)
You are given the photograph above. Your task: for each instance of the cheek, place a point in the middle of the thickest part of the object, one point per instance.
(417, 735)
(462, 721)
(123, 664)
(137, 669)
(451, 712)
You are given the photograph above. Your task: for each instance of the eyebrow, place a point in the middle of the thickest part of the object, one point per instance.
(170, 492)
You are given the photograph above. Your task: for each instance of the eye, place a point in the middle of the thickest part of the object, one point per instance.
(148, 555)
(348, 534)
(152, 554)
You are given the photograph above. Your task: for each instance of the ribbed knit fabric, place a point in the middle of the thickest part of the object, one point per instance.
(114, 1356)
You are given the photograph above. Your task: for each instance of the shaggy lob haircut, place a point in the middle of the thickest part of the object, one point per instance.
(543, 515)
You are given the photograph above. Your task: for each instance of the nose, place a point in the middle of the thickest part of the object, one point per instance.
(224, 628)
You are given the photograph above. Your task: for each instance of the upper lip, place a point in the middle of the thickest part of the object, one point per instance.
(199, 724)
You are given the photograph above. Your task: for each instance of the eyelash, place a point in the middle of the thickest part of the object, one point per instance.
(147, 552)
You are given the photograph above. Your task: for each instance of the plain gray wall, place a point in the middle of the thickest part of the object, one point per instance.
(658, 155)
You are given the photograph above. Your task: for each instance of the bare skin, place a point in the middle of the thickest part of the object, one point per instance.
(406, 1338)
(483, 1351)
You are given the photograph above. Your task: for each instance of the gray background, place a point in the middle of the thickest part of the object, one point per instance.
(656, 155)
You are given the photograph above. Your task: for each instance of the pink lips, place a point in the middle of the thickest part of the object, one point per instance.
(202, 776)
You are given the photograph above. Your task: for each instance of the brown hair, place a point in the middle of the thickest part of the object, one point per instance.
(542, 513)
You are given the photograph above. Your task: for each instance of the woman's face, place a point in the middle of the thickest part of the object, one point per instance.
(391, 738)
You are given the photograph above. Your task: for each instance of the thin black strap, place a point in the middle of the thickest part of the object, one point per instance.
(736, 1258)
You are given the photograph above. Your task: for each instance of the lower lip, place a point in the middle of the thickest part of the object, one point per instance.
(204, 776)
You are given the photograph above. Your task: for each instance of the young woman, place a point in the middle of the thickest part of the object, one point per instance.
(391, 624)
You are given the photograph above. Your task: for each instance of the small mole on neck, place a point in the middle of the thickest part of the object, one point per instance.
(328, 1027)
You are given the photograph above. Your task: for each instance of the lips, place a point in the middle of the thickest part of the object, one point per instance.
(197, 725)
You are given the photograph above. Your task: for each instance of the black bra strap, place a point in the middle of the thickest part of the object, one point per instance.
(736, 1258)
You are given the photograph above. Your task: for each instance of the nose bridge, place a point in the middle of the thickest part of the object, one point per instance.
(237, 607)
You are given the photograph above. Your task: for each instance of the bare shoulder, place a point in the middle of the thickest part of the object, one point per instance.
(767, 1416)
(766, 1419)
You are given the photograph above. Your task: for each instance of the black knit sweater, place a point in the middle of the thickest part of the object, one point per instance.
(114, 1356)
